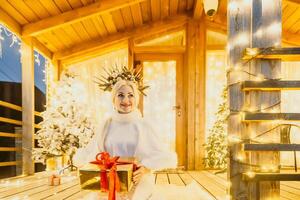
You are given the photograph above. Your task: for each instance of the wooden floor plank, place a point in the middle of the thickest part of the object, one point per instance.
(175, 179)
(80, 195)
(65, 193)
(186, 178)
(210, 185)
(17, 183)
(31, 177)
(222, 183)
(294, 184)
(36, 187)
(162, 179)
(20, 189)
(54, 190)
(288, 195)
(28, 193)
(290, 190)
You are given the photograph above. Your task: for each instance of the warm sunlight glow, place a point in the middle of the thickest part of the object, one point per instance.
(216, 80)
(161, 99)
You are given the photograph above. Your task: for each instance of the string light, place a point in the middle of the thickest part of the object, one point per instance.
(234, 139)
(250, 174)
(274, 28)
(37, 58)
(240, 157)
(242, 39)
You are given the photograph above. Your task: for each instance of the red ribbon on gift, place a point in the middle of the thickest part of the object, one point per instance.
(105, 162)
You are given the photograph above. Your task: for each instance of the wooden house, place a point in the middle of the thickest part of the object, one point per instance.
(254, 36)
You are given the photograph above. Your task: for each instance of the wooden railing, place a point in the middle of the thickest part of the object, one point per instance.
(13, 135)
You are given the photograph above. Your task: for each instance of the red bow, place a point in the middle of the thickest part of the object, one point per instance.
(105, 162)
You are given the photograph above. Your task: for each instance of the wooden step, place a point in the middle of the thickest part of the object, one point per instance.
(284, 53)
(272, 147)
(270, 85)
(260, 117)
(271, 176)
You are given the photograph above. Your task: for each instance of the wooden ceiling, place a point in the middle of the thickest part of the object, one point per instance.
(64, 29)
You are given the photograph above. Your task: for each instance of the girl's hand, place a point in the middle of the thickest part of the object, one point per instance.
(137, 174)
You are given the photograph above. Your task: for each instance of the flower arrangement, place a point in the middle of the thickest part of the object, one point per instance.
(114, 75)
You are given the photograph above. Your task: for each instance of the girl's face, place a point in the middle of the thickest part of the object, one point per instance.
(124, 100)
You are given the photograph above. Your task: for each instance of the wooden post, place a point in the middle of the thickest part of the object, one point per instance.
(200, 49)
(27, 60)
(239, 21)
(266, 32)
(56, 69)
(195, 78)
(251, 24)
(130, 53)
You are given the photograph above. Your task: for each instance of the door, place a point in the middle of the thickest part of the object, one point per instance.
(164, 104)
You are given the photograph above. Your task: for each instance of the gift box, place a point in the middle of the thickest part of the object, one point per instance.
(54, 180)
(90, 177)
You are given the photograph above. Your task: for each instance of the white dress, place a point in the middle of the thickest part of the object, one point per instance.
(130, 136)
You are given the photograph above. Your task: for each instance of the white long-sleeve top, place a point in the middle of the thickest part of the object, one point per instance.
(128, 135)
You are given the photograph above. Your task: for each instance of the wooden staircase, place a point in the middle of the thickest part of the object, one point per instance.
(286, 54)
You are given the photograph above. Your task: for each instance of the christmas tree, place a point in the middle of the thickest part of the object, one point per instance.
(66, 125)
(216, 146)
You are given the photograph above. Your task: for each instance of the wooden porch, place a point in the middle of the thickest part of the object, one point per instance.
(36, 186)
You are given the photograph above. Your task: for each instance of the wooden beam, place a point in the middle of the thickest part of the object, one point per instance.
(10, 105)
(168, 25)
(10, 121)
(195, 93)
(27, 60)
(271, 176)
(159, 49)
(284, 53)
(96, 45)
(270, 85)
(41, 48)
(190, 78)
(198, 9)
(217, 23)
(216, 47)
(291, 39)
(12, 163)
(3, 134)
(91, 53)
(75, 15)
(294, 2)
(272, 147)
(16, 28)
(130, 53)
(260, 117)
(200, 98)
(147, 38)
(220, 26)
(87, 47)
(10, 149)
(9, 22)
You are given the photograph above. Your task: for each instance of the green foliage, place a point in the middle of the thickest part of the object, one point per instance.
(216, 151)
